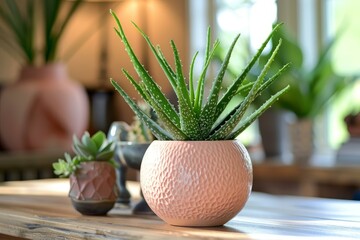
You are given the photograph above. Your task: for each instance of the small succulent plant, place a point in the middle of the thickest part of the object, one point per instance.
(89, 148)
(197, 118)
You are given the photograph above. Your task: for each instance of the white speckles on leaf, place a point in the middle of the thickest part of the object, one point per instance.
(195, 119)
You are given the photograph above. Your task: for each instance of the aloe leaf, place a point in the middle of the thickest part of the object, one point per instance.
(137, 86)
(158, 132)
(189, 122)
(161, 54)
(200, 88)
(231, 92)
(207, 116)
(206, 62)
(181, 91)
(249, 120)
(188, 117)
(224, 119)
(208, 44)
(273, 78)
(175, 132)
(150, 84)
(191, 79)
(162, 62)
(169, 125)
(227, 127)
(245, 88)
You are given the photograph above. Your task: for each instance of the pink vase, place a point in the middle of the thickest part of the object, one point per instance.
(196, 183)
(42, 110)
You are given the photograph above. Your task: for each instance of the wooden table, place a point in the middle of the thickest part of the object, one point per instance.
(40, 209)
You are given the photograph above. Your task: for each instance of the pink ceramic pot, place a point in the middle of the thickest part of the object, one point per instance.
(42, 110)
(196, 183)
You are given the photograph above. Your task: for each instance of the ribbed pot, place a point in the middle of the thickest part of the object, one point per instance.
(93, 188)
(196, 183)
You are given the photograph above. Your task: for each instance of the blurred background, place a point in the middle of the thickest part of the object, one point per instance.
(315, 124)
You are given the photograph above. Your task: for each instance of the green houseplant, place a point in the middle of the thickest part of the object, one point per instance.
(311, 90)
(91, 172)
(196, 174)
(43, 82)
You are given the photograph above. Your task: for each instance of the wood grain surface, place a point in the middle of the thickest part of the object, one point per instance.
(40, 209)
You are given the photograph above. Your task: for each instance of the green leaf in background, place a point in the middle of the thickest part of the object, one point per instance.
(20, 28)
(311, 89)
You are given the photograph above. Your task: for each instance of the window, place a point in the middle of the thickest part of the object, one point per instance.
(312, 22)
(343, 16)
(253, 20)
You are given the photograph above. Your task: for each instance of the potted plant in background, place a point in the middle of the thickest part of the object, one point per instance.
(92, 174)
(311, 89)
(286, 129)
(44, 107)
(196, 174)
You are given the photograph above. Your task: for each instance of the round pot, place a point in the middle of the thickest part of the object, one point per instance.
(93, 188)
(42, 110)
(196, 183)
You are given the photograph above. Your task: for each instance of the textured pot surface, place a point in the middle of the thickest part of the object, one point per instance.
(94, 181)
(196, 183)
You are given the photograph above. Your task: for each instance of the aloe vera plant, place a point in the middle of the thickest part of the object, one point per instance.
(197, 118)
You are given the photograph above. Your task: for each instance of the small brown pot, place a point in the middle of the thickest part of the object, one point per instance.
(93, 188)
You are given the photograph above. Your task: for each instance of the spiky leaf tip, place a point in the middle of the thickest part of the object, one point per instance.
(194, 119)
